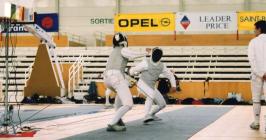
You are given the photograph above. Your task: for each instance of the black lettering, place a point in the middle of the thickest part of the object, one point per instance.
(200, 19)
(209, 25)
(241, 19)
(228, 18)
(134, 22)
(123, 23)
(92, 21)
(101, 21)
(95, 21)
(106, 21)
(153, 24)
(217, 26)
(226, 26)
(145, 22)
(211, 19)
(110, 21)
(219, 19)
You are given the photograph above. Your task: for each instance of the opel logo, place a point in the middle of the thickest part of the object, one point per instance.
(165, 22)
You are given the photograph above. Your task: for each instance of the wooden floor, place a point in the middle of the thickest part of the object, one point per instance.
(234, 125)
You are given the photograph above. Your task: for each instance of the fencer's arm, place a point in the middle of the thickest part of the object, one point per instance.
(169, 75)
(131, 54)
(143, 65)
(251, 58)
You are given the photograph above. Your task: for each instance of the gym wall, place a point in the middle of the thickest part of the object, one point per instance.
(88, 18)
(186, 40)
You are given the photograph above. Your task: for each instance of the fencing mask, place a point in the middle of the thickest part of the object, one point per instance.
(157, 54)
(120, 39)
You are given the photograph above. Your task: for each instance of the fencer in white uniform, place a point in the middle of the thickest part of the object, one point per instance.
(257, 60)
(150, 69)
(108, 91)
(114, 79)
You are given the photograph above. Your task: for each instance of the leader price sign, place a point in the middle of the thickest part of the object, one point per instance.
(206, 21)
(144, 22)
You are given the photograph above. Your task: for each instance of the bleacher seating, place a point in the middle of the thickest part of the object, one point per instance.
(197, 63)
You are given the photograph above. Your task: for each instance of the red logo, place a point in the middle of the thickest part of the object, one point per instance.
(47, 22)
(185, 22)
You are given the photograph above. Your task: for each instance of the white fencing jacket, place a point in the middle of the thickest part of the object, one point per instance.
(257, 55)
(132, 54)
(143, 65)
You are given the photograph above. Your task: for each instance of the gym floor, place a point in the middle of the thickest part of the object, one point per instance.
(180, 122)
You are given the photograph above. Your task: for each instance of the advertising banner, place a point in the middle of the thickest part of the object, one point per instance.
(144, 22)
(203, 21)
(246, 20)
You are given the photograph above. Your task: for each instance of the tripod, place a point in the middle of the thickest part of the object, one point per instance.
(8, 112)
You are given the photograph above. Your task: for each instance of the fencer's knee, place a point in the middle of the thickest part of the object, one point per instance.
(129, 106)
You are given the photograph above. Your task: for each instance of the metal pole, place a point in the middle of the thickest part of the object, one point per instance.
(118, 6)
(6, 119)
(58, 12)
(181, 9)
(181, 6)
(247, 5)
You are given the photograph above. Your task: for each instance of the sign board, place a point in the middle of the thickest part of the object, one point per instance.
(203, 21)
(145, 22)
(246, 20)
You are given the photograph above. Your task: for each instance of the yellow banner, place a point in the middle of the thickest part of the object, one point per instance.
(144, 22)
(246, 20)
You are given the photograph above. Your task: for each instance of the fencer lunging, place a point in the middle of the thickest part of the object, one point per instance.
(150, 70)
(114, 79)
(257, 60)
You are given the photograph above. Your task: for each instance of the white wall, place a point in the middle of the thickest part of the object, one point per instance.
(149, 6)
(258, 5)
(26, 3)
(75, 15)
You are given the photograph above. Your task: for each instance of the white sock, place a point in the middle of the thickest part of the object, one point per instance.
(119, 114)
(107, 95)
(148, 106)
(107, 100)
(256, 111)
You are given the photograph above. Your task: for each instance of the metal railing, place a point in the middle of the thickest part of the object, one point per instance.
(99, 38)
(1, 91)
(100, 35)
(28, 73)
(74, 76)
(76, 38)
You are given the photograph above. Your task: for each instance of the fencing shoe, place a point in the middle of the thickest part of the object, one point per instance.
(155, 118)
(108, 106)
(148, 119)
(115, 128)
(121, 123)
(254, 126)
